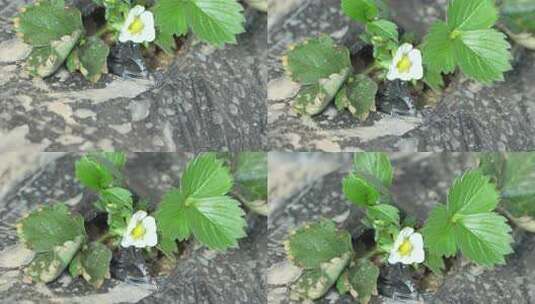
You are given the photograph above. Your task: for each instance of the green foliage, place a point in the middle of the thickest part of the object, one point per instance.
(313, 99)
(519, 15)
(99, 171)
(360, 191)
(317, 243)
(47, 21)
(384, 212)
(514, 174)
(376, 164)
(315, 59)
(214, 21)
(358, 96)
(116, 10)
(118, 203)
(467, 40)
(360, 10)
(52, 30)
(362, 278)
(201, 207)
(50, 227)
(468, 223)
(56, 235)
(43, 61)
(90, 57)
(369, 182)
(250, 174)
(47, 266)
(323, 251)
(94, 263)
(435, 262)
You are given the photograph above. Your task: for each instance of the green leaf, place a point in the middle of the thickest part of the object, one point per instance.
(358, 96)
(91, 59)
(216, 221)
(383, 29)
(435, 262)
(376, 164)
(317, 243)
(315, 59)
(483, 54)
(75, 267)
(514, 174)
(206, 176)
(314, 283)
(438, 49)
(95, 262)
(44, 61)
(201, 207)
(214, 21)
(359, 191)
(472, 193)
(384, 212)
(519, 18)
(171, 222)
(438, 233)
(519, 15)
(50, 227)
(48, 265)
(484, 238)
(52, 30)
(467, 15)
(362, 277)
(48, 21)
(468, 223)
(360, 10)
(100, 170)
(117, 198)
(118, 203)
(251, 180)
(468, 41)
(433, 79)
(313, 99)
(342, 284)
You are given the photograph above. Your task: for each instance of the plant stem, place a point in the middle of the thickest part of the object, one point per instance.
(105, 237)
(370, 69)
(103, 30)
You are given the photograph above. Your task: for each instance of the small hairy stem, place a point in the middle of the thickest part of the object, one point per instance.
(103, 30)
(370, 69)
(105, 237)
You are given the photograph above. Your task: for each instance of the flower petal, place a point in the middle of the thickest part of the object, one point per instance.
(405, 48)
(136, 10)
(393, 258)
(406, 232)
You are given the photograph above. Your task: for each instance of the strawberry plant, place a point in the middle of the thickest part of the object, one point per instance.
(468, 225)
(467, 40)
(200, 207)
(58, 35)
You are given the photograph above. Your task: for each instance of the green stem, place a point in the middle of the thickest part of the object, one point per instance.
(105, 237)
(370, 69)
(103, 30)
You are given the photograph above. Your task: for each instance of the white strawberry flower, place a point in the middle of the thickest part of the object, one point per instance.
(141, 231)
(407, 64)
(138, 27)
(408, 248)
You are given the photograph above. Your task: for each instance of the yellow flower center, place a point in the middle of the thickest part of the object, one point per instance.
(405, 248)
(404, 65)
(138, 232)
(136, 27)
